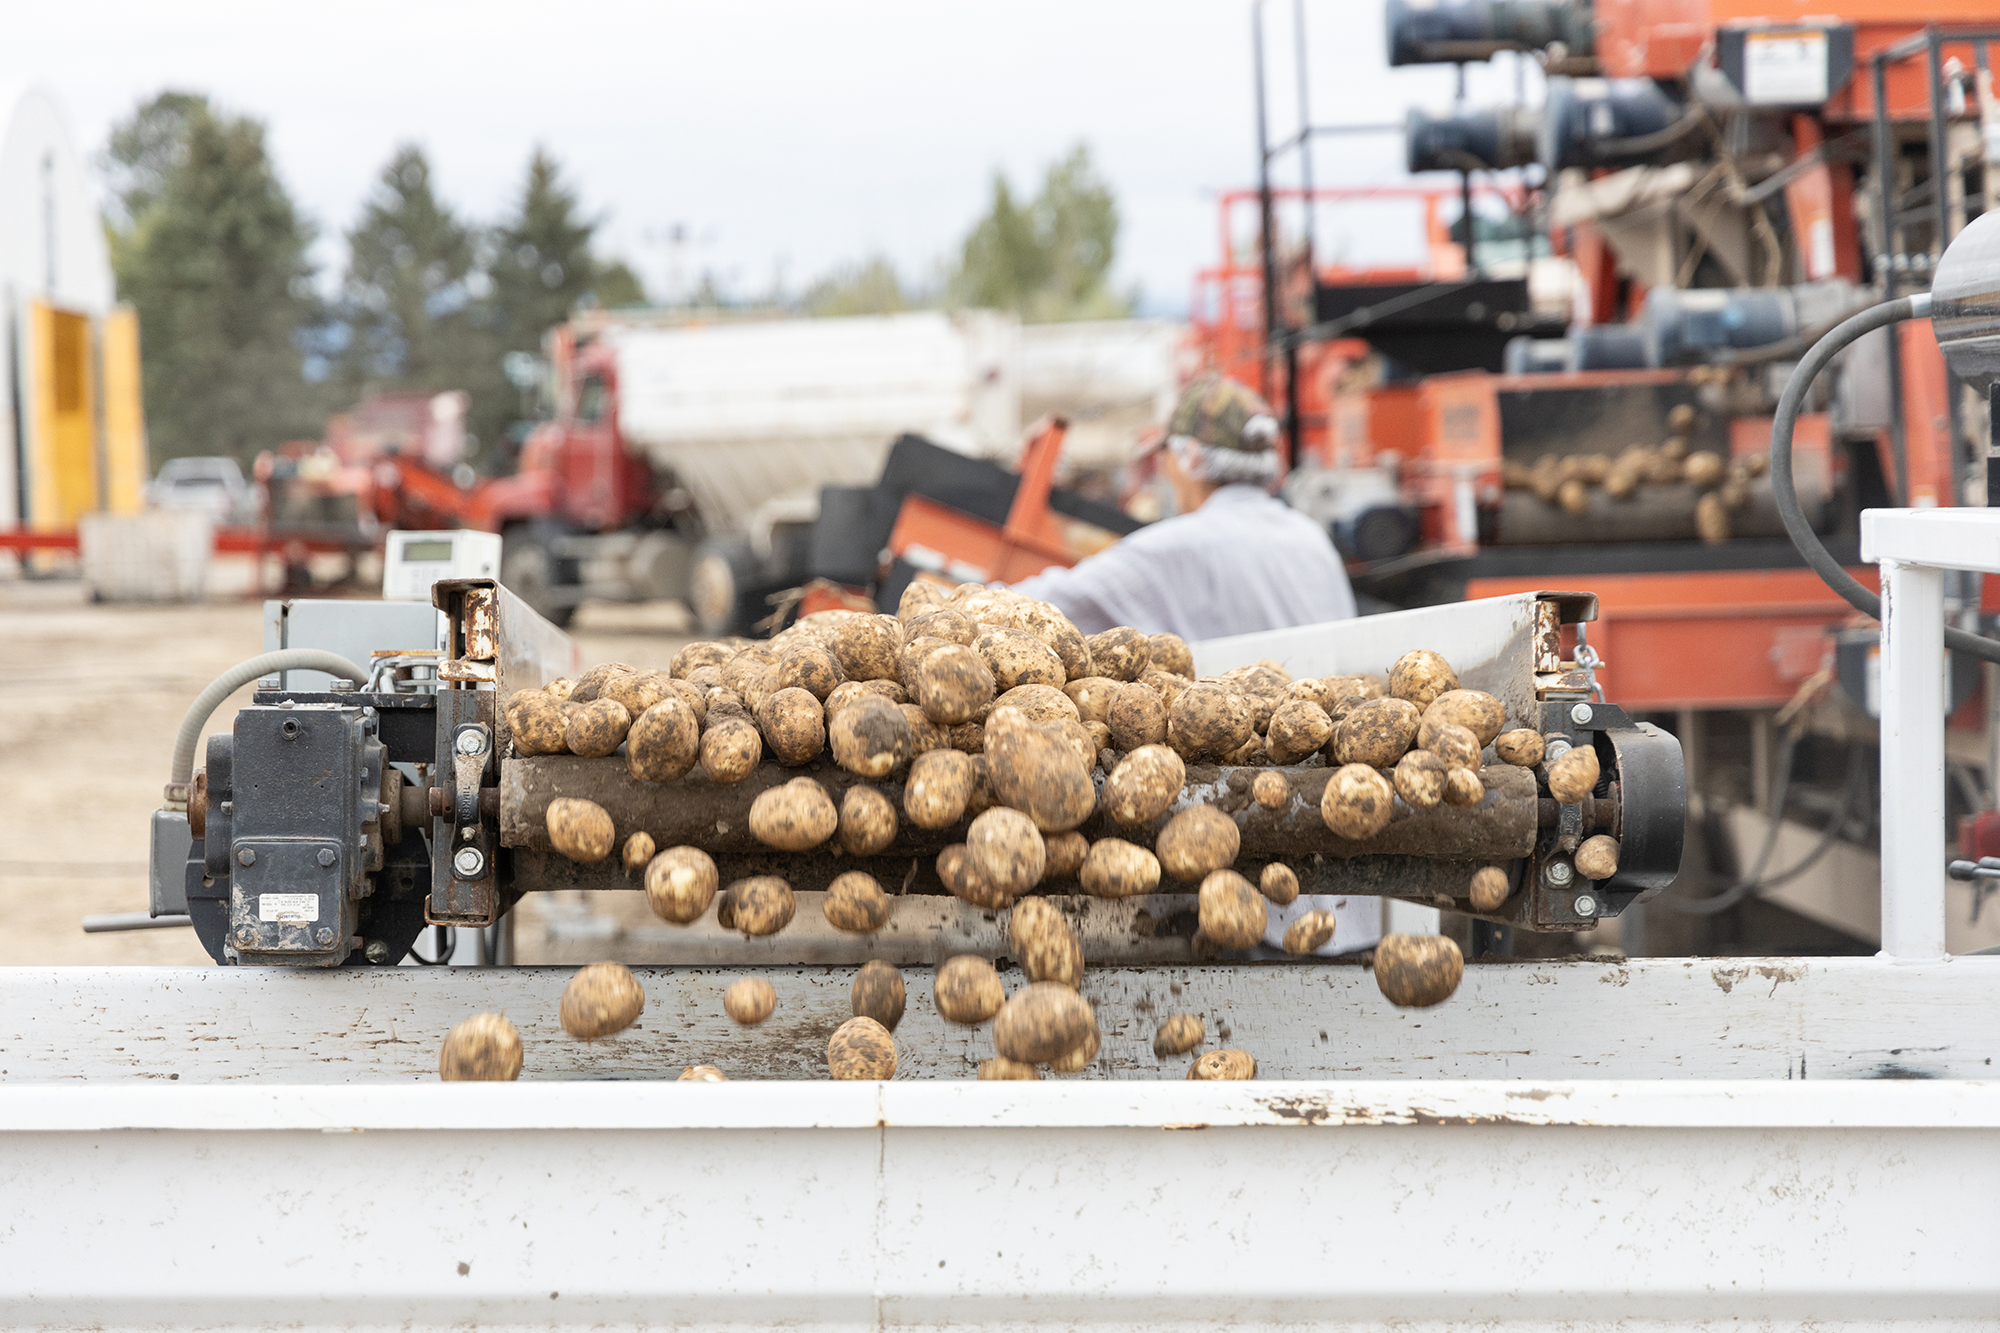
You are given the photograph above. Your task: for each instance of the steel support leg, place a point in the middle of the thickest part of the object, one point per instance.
(1912, 741)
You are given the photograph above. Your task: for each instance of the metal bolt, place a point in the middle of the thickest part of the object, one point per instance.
(341, 686)
(1555, 749)
(270, 682)
(326, 856)
(1558, 872)
(324, 935)
(470, 741)
(1586, 905)
(1580, 715)
(246, 857)
(245, 935)
(378, 951)
(470, 863)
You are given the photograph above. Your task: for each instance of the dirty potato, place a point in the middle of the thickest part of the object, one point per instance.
(591, 683)
(1114, 868)
(1197, 841)
(1055, 629)
(580, 829)
(1092, 696)
(638, 691)
(951, 683)
(597, 728)
(638, 851)
(1521, 747)
(1310, 933)
(1001, 1069)
(1573, 777)
(1490, 890)
(761, 905)
(1455, 745)
(1279, 884)
(1180, 1034)
(878, 993)
(1420, 779)
(1598, 857)
(1273, 791)
(730, 750)
(808, 667)
(1297, 728)
(1121, 653)
(1206, 722)
(1358, 803)
(1167, 683)
(601, 999)
(855, 902)
(1711, 519)
(1376, 733)
(1064, 855)
(701, 1074)
(680, 884)
(1004, 849)
(560, 688)
(749, 1000)
(537, 722)
(793, 725)
(1703, 468)
(1475, 710)
(861, 1048)
(1169, 652)
(1041, 1022)
(794, 817)
(1047, 947)
(1420, 676)
(484, 1048)
(1417, 971)
(1464, 787)
(1232, 912)
(1137, 716)
(1037, 773)
(1017, 657)
(867, 821)
(967, 990)
(871, 737)
(920, 598)
(925, 734)
(866, 647)
(959, 880)
(1042, 703)
(1223, 1066)
(950, 626)
(968, 738)
(1078, 1057)
(699, 655)
(664, 742)
(937, 789)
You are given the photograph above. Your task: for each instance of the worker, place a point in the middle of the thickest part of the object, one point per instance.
(1233, 560)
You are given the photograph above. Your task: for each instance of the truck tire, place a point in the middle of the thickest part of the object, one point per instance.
(726, 589)
(534, 573)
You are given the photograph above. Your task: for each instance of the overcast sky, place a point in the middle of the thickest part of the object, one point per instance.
(785, 137)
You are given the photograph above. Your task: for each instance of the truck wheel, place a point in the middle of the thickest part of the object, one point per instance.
(533, 573)
(724, 590)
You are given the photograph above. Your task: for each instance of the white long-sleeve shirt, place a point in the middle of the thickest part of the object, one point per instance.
(1245, 561)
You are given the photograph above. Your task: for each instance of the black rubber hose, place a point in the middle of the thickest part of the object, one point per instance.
(1786, 494)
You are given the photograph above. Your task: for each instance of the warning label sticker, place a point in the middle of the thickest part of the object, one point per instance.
(288, 909)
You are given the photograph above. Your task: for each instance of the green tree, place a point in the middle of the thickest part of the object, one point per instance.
(872, 287)
(543, 266)
(208, 248)
(1050, 259)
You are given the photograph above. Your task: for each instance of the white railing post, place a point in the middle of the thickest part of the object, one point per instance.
(1912, 742)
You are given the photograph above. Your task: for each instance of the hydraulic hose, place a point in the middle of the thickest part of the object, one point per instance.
(1785, 493)
(234, 679)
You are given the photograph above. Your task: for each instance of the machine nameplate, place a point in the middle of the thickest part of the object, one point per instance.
(293, 909)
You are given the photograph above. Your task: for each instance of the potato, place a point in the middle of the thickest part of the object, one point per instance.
(1420, 779)
(601, 999)
(1055, 629)
(1573, 497)
(1121, 653)
(1417, 971)
(638, 851)
(951, 683)
(1042, 703)
(701, 1074)
(1573, 777)
(866, 647)
(1137, 716)
(1296, 729)
(1420, 676)
(914, 652)
(1734, 493)
(1078, 737)
(1711, 519)
(723, 704)
(1004, 849)
(537, 723)
(1475, 710)
(1207, 722)
(1144, 785)
(591, 683)
(964, 885)
(1521, 747)
(1078, 1057)
(1114, 868)
(1250, 752)
(560, 688)
(1223, 1066)
(1325, 691)
(761, 905)
(699, 655)
(1041, 1022)
(638, 691)
(1279, 884)
(680, 884)
(1167, 683)
(1000, 1068)
(664, 742)
(1622, 482)
(878, 993)
(1703, 468)
(920, 597)
(1019, 658)
(1232, 912)
(1197, 841)
(1358, 802)
(855, 902)
(1100, 736)
(706, 678)
(1309, 933)
(1455, 745)
(730, 749)
(793, 724)
(580, 830)
(871, 737)
(1036, 773)
(1490, 889)
(1064, 853)
(967, 990)
(1273, 791)
(1169, 652)
(484, 1048)
(693, 695)
(1092, 696)
(1048, 948)
(925, 735)
(1598, 857)
(861, 1048)
(852, 691)
(1463, 787)
(942, 624)
(939, 785)
(867, 821)
(966, 738)
(749, 1000)
(794, 817)
(1377, 733)
(597, 728)
(808, 667)
(1180, 1034)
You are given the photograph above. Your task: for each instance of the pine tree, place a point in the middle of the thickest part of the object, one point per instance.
(1049, 260)
(208, 248)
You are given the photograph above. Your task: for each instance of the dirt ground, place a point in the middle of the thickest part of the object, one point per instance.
(93, 696)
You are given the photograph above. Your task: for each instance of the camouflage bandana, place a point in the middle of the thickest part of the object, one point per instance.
(1222, 414)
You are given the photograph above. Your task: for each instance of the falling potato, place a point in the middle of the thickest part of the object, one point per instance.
(579, 829)
(1045, 943)
(1180, 1034)
(1521, 747)
(856, 902)
(1490, 889)
(1279, 884)
(795, 817)
(1114, 868)
(749, 1000)
(967, 990)
(1196, 841)
(1223, 1066)
(1573, 777)
(878, 993)
(638, 851)
(1231, 911)
(1041, 1022)
(1000, 1069)
(1597, 858)
(484, 1048)
(761, 905)
(599, 1000)
(680, 884)
(1310, 933)
(867, 821)
(1417, 971)
(702, 1074)
(861, 1048)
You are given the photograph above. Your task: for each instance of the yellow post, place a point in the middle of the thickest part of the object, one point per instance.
(62, 444)
(124, 413)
